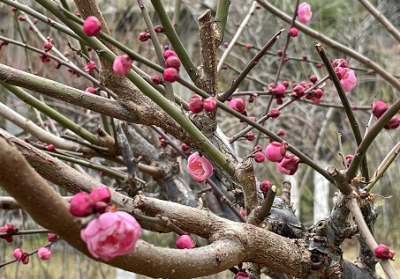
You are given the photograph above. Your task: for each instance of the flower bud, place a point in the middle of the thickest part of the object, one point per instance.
(18, 254)
(44, 253)
(275, 151)
(158, 29)
(318, 93)
(196, 104)
(91, 90)
(382, 252)
(248, 46)
(304, 57)
(122, 64)
(185, 242)
(51, 237)
(171, 74)
(173, 62)
(238, 104)
(101, 194)
(274, 113)
(313, 79)
(186, 148)
(81, 205)
(379, 109)
(101, 207)
(393, 123)
(47, 46)
(21, 18)
(281, 132)
(298, 91)
(318, 65)
(257, 148)
(89, 67)
(250, 136)
(259, 157)
(279, 52)
(241, 275)
(168, 53)
(51, 148)
(92, 26)
(210, 104)
(289, 164)
(265, 186)
(156, 80)
(280, 89)
(25, 260)
(285, 83)
(199, 167)
(144, 36)
(294, 32)
(225, 45)
(250, 99)
(335, 63)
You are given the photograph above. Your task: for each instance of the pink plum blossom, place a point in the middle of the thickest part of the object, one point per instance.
(210, 104)
(81, 205)
(199, 167)
(171, 74)
(18, 254)
(196, 104)
(122, 64)
(51, 237)
(101, 194)
(237, 104)
(294, 32)
(92, 26)
(89, 67)
(379, 108)
(289, 164)
(275, 151)
(393, 123)
(44, 253)
(185, 242)
(349, 80)
(110, 235)
(382, 252)
(304, 12)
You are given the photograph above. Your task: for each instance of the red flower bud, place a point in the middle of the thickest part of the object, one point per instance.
(171, 74)
(92, 26)
(265, 186)
(275, 151)
(168, 53)
(382, 252)
(185, 242)
(281, 132)
(313, 79)
(274, 113)
(51, 148)
(156, 80)
(279, 52)
(122, 64)
(51, 237)
(144, 36)
(81, 205)
(294, 32)
(158, 29)
(173, 62)
(47, 46)
(210, 104)
(196, 105)
(393, 123)
(101, 194)
(238, 104)
(259, 157)
(379, 108)
(249, 46)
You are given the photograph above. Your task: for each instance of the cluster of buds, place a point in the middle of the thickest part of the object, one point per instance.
(84, 204)
(196, 104)
(286, 162)
(9, 229)
(21, 256)
(279, 92)
(144, 36)
(379, 108)
(162, 141)
(47, 46)
(45, 59)
(172, 64)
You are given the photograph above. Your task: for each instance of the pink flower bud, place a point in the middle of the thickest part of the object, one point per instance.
(249, 46)
(185, 242)
(274, 113)
(102, 173)
(81, 205)
(225, 45)
(286, 59)
(18, 254)
(294, 32)
(279, 52)
(281, 132)
(199, 167)
(112, 234)
(89, 67)
(224, 66)
(158, 29)
(259, 157)
(369, 72)
(391, 255)
(318, 93)
(280, 89)
(9, 228)
(382, 252)
(26, 139)
(122, 64)
(78, 15)
(210, 104)
(168, 53)
(348, 159)
(241, 275)
(275, 151)
(66, 54)
(51, 148)
(304, 12)
(393, 123)
(92, 26)
(250, 136)
(57, 65)
(25, 260)
(304, 57)
(144, 36)
(257, 148)
(250, 99)
(313, 79)
(186, 148)
(237, 104)
(318, 65)
(14, 9)
(101, 194)
(252, 118)
(196, 104)
(44, 253)
(47, 46)
(265, 186)
(51, 237)
(335, 63)
(379, 109)
(243, 213)
(173, 62)
(45, 59)
(91, 90)
(340, 72)
(171, 74)
(289, 164)
(285, 83)
(298, 91)
(21, 18)
(156, 80)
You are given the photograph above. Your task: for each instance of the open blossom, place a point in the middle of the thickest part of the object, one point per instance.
(304, 12)
(110, 235)
(89, 67)
(185, 242)
(199, 167)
